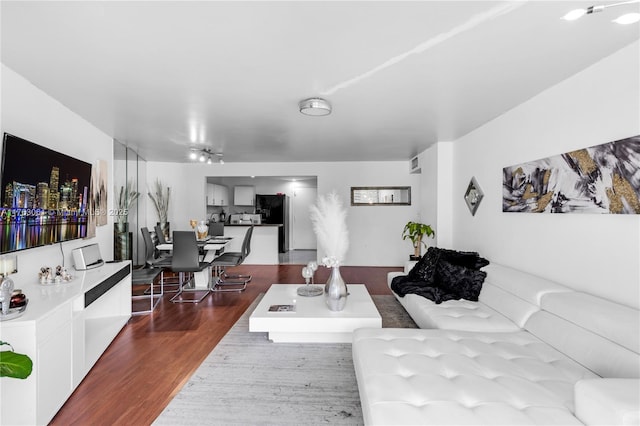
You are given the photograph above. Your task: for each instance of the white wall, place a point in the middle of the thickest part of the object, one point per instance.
(375, 232)
(599, 254)
(31, 114)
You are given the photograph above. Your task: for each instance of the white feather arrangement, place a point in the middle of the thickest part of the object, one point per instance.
(329, 220)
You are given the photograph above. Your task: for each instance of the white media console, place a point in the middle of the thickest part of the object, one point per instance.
(64, 330)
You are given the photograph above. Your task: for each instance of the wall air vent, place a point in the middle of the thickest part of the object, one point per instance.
(415, 165)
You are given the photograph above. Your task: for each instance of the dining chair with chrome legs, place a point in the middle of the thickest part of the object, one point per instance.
(186, 262)
(163, 261)
(228, 259)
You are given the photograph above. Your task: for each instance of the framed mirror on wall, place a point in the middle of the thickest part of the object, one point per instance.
(380, 195)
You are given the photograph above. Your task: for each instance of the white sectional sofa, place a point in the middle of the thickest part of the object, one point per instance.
(530, 351)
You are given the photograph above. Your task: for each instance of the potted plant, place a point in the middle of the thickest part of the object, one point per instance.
(160, 197)
(122, 237)
(14, 365)
(415, 231)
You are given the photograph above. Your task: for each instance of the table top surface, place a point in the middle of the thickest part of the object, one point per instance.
(207, 244)
(359, 304)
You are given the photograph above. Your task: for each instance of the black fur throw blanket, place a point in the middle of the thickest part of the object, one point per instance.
(442, 275)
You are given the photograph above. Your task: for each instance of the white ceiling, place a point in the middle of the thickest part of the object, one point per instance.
(163, 76)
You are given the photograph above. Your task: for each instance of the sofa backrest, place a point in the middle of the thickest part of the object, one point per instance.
(602, 335)
(515, 294)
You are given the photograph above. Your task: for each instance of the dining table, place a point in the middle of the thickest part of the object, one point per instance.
(211, 247)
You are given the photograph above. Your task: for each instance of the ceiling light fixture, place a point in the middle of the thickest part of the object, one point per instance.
(628, 18)
(315, 107)
(624, 19)
(205, 154)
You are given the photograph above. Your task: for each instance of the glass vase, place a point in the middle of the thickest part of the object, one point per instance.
(335, 291)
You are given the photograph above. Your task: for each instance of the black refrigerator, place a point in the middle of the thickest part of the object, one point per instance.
(274, 209)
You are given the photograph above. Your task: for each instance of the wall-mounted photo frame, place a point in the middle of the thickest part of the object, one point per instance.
(380, 195)
(473, 196)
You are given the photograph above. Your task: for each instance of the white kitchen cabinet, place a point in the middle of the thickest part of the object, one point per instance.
(217, 195)
(244, 195)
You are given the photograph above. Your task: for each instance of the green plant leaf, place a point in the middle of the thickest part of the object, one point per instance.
(15, 365)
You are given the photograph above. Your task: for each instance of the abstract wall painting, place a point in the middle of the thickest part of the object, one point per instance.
(599, 179)
(98, 201)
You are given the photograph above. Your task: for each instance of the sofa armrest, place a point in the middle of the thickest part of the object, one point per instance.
(608, 401)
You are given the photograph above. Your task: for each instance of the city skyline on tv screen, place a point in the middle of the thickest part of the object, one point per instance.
(44, 196)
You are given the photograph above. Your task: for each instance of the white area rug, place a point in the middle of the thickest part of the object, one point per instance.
(248, 380)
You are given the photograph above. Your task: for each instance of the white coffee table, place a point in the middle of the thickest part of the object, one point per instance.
(312, 320)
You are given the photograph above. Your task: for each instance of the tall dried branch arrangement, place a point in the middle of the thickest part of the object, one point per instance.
(329, 220)
(160, 197)
(127, 196)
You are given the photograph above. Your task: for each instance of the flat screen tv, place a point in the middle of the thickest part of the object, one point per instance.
(44, 196)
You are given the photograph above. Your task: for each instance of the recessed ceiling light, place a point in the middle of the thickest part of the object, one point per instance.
(202, 158)
(193, 155)
(575, 14)
(629, 18)
(315, 106)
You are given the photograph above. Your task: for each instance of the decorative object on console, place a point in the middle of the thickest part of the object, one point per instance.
(160, 197)
(18, 366)
(473, 196)
(308, 289)
(330, 225)
(415, 231)
(8, 265)
(599, 179)
(48, 275)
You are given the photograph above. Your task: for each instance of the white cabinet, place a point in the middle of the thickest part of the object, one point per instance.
(244, 195)
(217, 195)
(64, 330)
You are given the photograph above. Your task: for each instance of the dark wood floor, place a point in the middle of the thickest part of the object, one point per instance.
(155, 354)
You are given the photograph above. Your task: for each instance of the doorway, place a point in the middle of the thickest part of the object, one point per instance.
(303, 237)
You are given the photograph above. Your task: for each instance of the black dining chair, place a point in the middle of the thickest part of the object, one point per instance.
(228, 259)
(153, 260)
(144, 277)
(160, 235)
(186, 262)
(216, 229)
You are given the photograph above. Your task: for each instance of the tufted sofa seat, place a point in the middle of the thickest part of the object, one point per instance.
(568, 358)
(410, 376)
(507, 299)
